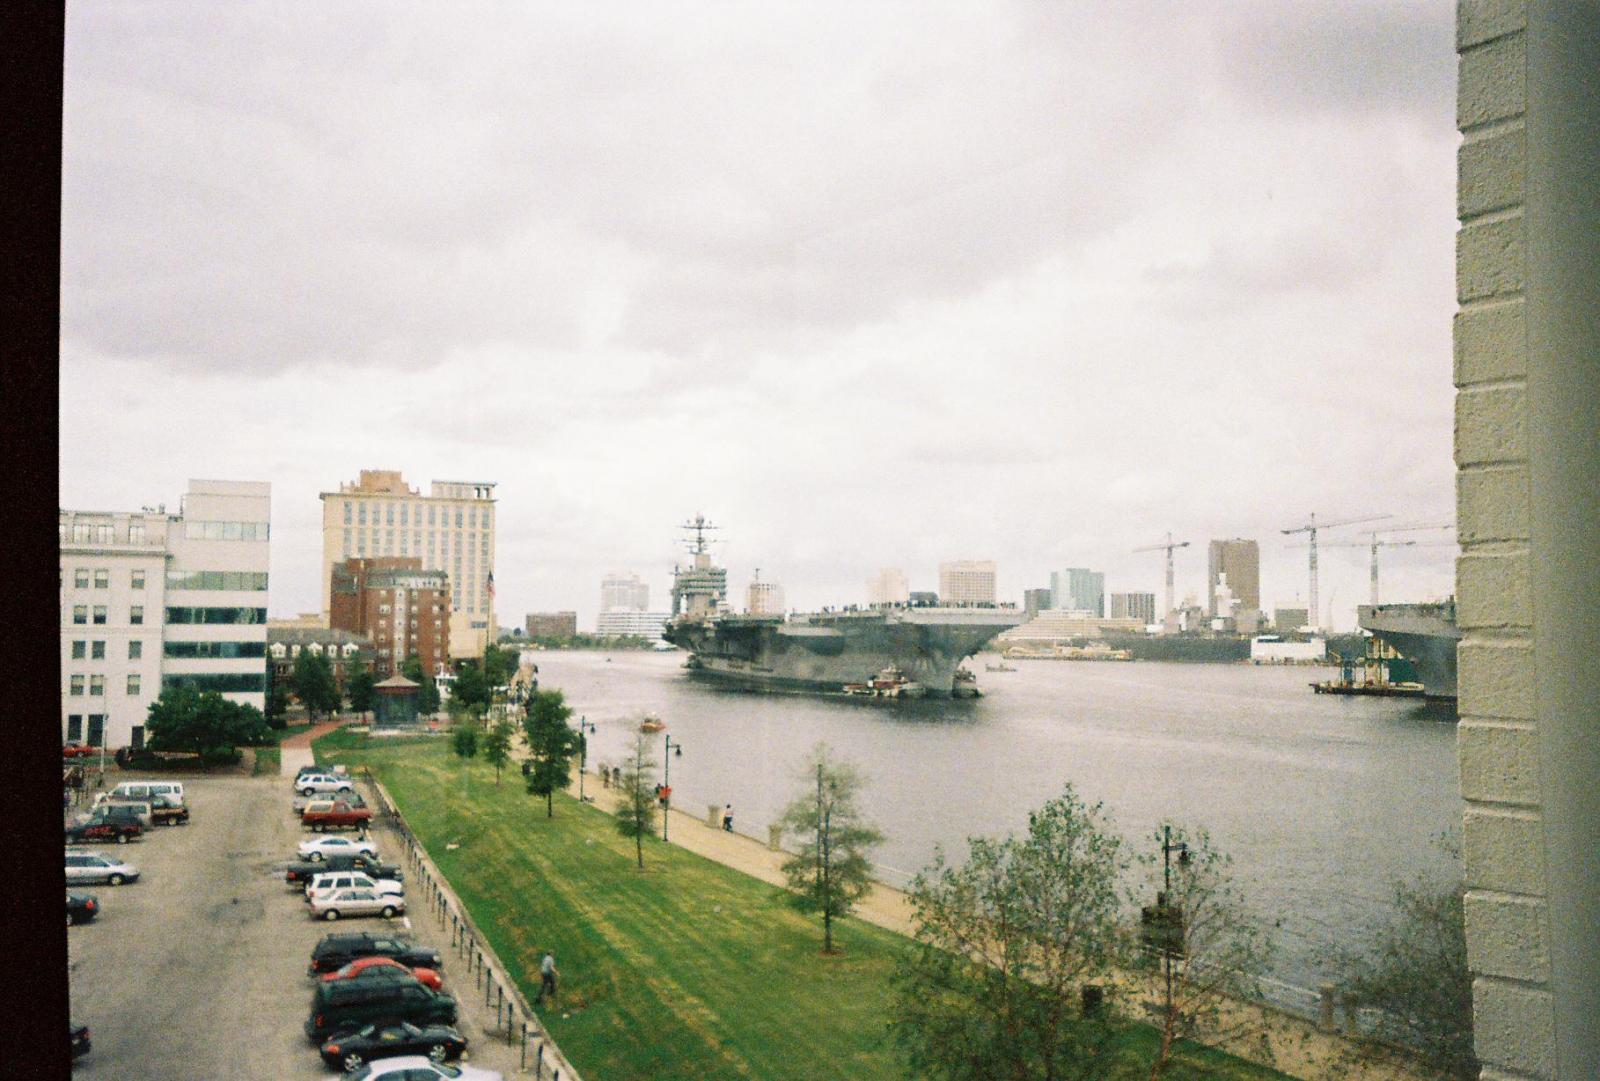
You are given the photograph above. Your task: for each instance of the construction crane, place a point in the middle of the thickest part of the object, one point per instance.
(1167, 547)
(1312, 525)
(1374, 544)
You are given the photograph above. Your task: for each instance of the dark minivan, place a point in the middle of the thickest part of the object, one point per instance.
(346, 1004)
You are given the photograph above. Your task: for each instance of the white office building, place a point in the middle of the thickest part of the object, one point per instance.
(151, 599)
(626, 622)
(888, 586)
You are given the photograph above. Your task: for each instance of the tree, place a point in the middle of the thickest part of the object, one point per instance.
(1210, 952)
(636, 809)
(831, 872)
(277, 706)
(359, 689)
(428, 690)
(1007, 945)
(499, 665)
(497, 746)
(464, 740)
(1413, 971)
(184, 719)
(551, 745)
(471, 688)
(313, 683)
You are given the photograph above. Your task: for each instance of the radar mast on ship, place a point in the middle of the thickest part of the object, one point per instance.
(700, 589)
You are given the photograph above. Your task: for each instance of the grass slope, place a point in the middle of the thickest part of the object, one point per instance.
(685, 970)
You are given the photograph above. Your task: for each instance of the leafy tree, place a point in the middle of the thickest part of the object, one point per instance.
(1413, 971)
(428, 692)
(831, 872)
(471, 688)
(277, 704)
(551, 745)
(464, 740)
(313, 683)
(636, 807)
(1006, 944)
(184, 719)
(359, 689)
(497, 746)
(1209, 950)
(499, 665)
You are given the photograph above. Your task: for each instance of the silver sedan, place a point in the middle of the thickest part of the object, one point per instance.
(356, 902)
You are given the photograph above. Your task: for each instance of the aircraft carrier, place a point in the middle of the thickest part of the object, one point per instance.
(822, 652)
(1424, 634)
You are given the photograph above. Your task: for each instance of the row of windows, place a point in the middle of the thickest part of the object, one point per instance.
(99, 533)
(101, 577)
(97, 729)
(245, 531)
(95, 650)
(281, 650)
(84, 614)
(384, 514)
(214, 649)
(248, 581)
(216, 615)
(221, 682)
(96, 684)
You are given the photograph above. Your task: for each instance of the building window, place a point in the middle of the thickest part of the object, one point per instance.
(403, 510)
(230, 650)
(472, 517)
(135, 534)
(74, 727)
(137, 734)
(388, 513)
(78, 649)
(458, 517)
(431, 520)
(102, 578)
(136, 614)
(135, 650)
(136, 579)
(100, 614)
(97, 685)
(245, 581)
(230, 531)
(97, 730)
(80, 613)
(216, 615)
(75, 684)
(105, 534)
(97, 651)
(347, 543)
(346, 512)
(133, 684)
(80, 578)
(80, 532)
(221, 682)
(361, 514)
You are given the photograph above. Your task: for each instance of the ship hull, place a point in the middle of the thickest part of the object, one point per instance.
(1425, 635)
(819, 654)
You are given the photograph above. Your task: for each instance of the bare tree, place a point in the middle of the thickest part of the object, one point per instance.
(636, 812)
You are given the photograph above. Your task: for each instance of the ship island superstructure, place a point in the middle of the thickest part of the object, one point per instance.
(823, 652)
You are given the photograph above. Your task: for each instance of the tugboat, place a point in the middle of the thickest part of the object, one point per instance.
(965, 685)
(888, 683)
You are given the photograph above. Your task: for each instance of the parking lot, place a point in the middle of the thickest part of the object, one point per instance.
(198, 970)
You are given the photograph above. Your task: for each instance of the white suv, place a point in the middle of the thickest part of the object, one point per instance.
(311, 783)
(328, 881)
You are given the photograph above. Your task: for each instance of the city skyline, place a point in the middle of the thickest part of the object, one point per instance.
(855, 325)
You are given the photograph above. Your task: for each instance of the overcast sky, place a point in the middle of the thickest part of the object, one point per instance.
(867, 284)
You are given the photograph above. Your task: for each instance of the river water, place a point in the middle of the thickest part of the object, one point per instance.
(1322, 801)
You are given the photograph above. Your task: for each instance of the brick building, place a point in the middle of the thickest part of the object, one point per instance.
(401, 607)
(346, 652)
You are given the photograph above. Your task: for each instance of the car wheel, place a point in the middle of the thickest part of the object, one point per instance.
(351, 1062)
(69, 917)
(122, 838)
(307, 791)
(438, 1052)
(316, 857)
(114, 880)
(331, 915)
(388, 912)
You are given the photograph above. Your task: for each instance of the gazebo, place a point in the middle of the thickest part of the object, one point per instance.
(395, 702)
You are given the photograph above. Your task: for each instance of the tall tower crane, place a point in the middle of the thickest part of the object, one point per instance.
(1374, 543)
(1167, 547)
(1313, 616)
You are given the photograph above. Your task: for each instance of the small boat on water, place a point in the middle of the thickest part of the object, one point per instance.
(965, 685)
(891, 682)
(1001, 667)
(652, 723)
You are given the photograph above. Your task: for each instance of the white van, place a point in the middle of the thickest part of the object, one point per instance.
(145, 789)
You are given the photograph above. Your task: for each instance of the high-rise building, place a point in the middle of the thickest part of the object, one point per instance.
(451, 530)
(1289, 620)
(1240, 560)
(552, 624)
(764, 598)
(1141, 606)
(151, 600)
(1035, 601)
(1078, 589)
(399, 605)
(626, 622)
(966, 581)
(888, 586)
(624, 593)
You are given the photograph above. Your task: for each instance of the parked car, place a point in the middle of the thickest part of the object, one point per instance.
(301, 872)
(348, 1051)
(97, 867)
(320, 848)
(356, 902)
(76, 749)
(81, 907)
(326, 883)
(299, 804)
(143, 790)
(325, 815)
(347, 1004)
(140, 812)
(387, 968)
(419, 1068)
(79, 1037)
(336, 951)
(312, 783)
(100, 831)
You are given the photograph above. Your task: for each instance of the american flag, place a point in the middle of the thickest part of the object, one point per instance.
(488, 585)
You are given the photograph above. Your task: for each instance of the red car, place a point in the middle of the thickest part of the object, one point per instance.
(104, 830)
(425, 976)
(78, 750)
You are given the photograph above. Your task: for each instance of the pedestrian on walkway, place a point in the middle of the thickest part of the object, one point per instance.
(547, 977)
(727, 817)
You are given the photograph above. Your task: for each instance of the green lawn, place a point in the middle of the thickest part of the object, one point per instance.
(686, 970)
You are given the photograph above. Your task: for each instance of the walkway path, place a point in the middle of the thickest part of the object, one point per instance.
(295, 751)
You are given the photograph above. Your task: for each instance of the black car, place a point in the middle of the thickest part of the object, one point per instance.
(348, 1050)
(344, 1005)
(81, 908)
(301, 872)
(336, 951)
(79, 1035)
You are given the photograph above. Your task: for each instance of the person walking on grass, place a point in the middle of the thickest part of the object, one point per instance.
(547, 977)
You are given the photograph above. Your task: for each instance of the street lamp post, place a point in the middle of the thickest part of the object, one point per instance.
(666, 781)
(584, 727)
(1167, 947)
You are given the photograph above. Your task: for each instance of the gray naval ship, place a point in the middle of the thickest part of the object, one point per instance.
(1424, 634)
(890, 651)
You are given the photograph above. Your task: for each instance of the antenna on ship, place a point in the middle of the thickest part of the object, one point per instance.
(699, 526)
